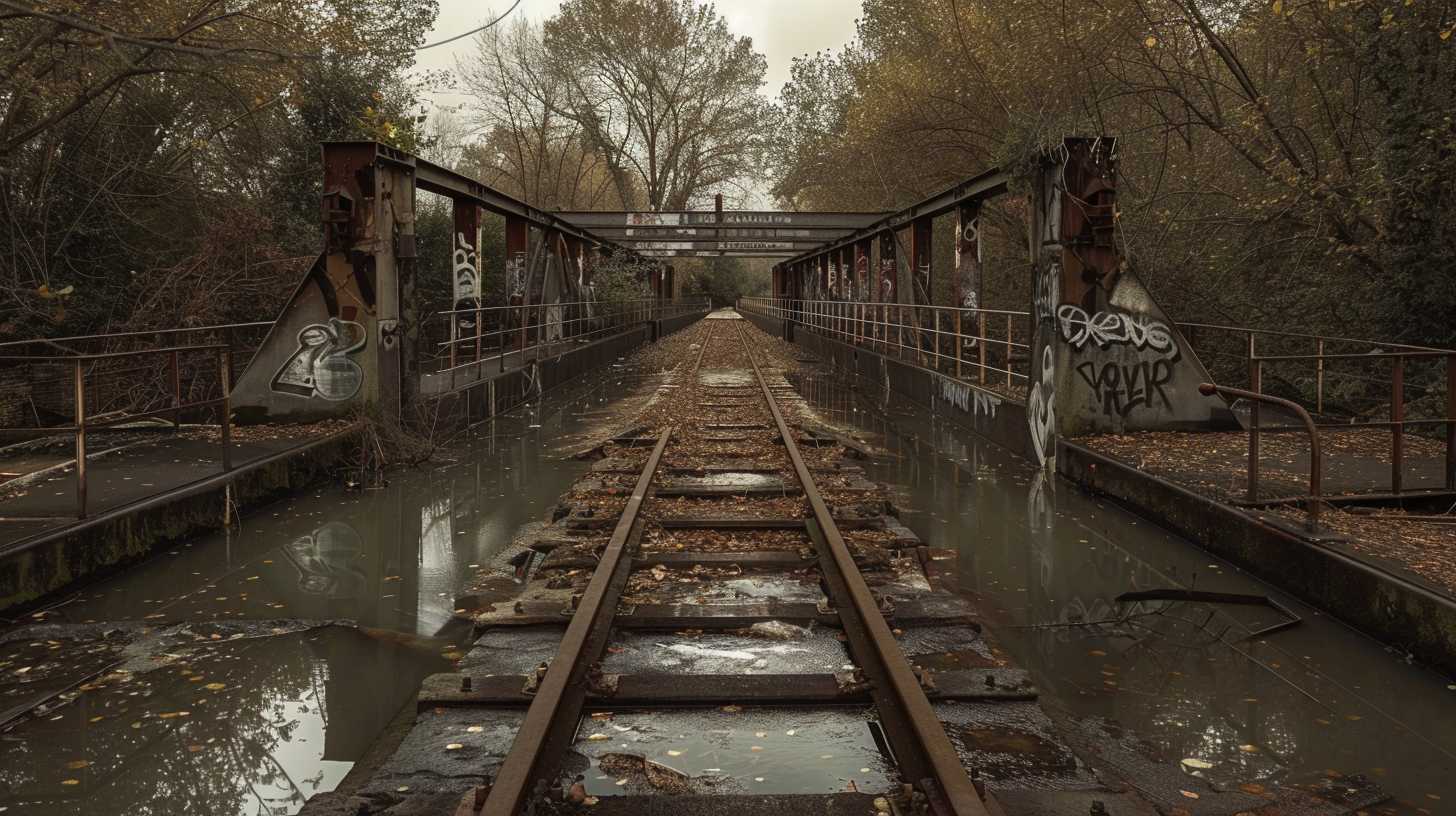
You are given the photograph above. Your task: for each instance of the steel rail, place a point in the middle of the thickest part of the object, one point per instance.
(922, 749)
(552, 717)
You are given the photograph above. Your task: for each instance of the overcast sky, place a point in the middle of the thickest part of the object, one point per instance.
(781, 30)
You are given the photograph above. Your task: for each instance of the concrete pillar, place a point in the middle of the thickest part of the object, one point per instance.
(338, 345)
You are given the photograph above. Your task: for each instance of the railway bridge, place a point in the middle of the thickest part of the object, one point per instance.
(860, 545)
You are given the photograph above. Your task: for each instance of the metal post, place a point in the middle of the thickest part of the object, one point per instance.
(1319, 376)
(226, 423)
(935, 337)
(1397, 420)
(981, 352)
(80, 396)
(176, 392)
(1451, 422)
(959, 342)
(1256, 378)
(1008, 351)
(1316, 459)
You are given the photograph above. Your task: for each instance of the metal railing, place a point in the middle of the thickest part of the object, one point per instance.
(988, 346)
(1348, 385)
(80, 364)
(118, 380)
(459, 338)
(1315, 460)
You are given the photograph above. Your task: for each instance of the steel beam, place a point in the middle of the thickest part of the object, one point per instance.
(977, 188)
(592, 220)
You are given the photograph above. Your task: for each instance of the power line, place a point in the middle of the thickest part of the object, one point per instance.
(473, 30)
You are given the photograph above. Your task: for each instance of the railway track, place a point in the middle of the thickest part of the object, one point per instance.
(724, 616)
(928, 764)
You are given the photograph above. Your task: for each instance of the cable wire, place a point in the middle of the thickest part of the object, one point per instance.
(473, 30)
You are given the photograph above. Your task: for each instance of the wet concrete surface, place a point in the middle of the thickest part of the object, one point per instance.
(815, 651)
(733, 750)
(262, 723)
(1046, 562)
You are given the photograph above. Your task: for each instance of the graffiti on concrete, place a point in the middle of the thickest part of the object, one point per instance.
(862, 277)
(467, 280)
(1131, 357)
(833, 278)
(1044, 290)
(973, 401)
(321, 366)
(1106, 329)
(1040, 411)
(1121, 387)
(888, 271)
(516, 274)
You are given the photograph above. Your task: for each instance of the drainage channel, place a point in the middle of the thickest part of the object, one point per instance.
(726, 615)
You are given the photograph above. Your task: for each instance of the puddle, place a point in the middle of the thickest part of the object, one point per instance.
(818, 652)
(253, 725)
(749, 750)
(727, 377)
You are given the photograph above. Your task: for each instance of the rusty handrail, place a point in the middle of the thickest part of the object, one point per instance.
(1209, 389)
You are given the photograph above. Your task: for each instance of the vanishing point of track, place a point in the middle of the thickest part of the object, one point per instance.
(924, 754)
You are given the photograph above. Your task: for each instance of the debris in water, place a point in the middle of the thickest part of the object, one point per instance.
(778, 630)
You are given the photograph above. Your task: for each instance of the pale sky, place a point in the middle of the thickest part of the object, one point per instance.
(781, 30)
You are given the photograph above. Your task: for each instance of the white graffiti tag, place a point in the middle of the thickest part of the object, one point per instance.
(467, 280)
(1115, 328)
(321, 366)
(1040, 411)
(971, 400)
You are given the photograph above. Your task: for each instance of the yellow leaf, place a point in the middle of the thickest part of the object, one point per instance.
(1278, 6)
(1150, 41)
(215, 686)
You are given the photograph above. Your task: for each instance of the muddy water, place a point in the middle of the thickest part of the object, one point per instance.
(1049, 562)
(257, 719)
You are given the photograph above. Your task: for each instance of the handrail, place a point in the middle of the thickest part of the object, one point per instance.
(81, 425)
(920, 331)
(1179, 324)
(140, 333)
(1209, 389)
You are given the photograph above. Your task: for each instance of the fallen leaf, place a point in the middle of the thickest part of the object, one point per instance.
(78, 764)
(70, 781)
(215, 686)
(1189, 794)
(454, 746)
(598, 737)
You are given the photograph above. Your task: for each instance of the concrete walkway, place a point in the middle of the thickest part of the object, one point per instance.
(126, 468)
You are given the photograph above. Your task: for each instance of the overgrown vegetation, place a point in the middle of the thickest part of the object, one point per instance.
(1283, 163)
(159, 159)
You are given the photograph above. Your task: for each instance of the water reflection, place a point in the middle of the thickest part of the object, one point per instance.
(1047, 562)
(329, 561)
(290, 714)
(252, 725)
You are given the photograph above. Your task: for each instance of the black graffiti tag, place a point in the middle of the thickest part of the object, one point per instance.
(1122, 387)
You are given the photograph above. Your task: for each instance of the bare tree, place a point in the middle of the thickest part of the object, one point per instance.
(664, 91)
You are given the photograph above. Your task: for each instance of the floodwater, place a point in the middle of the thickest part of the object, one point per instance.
(230, 691)
(1047, 562)
(235, 690)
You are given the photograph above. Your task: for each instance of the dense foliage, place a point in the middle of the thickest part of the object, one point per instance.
(1285, 163)
(159, 159)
